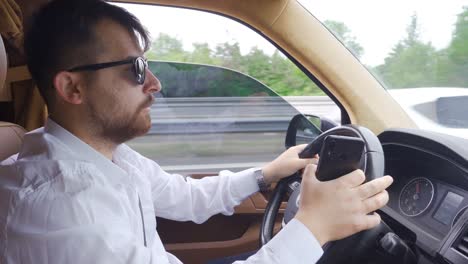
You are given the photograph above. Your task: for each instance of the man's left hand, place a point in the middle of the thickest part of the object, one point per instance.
(286, 164)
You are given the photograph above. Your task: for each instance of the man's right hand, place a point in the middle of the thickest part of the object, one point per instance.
(336, 209)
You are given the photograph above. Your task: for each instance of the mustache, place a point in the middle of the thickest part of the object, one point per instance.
(148, 102)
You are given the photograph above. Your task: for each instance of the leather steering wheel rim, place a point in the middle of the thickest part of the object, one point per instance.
(374, 164)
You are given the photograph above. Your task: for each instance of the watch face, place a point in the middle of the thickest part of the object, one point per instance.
(261, 180)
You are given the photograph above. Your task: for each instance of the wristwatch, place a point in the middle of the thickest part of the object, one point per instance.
(262, 185)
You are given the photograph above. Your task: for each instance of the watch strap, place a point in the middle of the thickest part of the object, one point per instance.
(262, 185)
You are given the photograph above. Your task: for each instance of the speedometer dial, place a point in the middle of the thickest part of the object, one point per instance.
(416, 197)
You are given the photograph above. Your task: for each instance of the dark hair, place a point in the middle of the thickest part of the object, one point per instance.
(61, 36)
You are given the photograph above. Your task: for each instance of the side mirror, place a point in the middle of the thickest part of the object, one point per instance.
(326, 123)
(302, 129)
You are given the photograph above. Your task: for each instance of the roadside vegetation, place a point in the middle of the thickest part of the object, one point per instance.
(411, 62)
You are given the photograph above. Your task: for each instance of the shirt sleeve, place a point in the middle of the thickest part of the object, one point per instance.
(182, 198)
(293, 244)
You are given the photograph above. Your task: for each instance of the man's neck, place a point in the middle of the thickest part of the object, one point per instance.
(88, 135)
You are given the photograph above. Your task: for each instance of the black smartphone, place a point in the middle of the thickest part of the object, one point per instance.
(339, 155)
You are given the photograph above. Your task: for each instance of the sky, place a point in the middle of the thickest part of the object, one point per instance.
(376, 25)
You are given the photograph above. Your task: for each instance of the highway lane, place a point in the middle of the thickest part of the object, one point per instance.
(210, 152)
(234, 114)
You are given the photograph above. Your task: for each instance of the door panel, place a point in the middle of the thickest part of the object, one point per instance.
(220, 236)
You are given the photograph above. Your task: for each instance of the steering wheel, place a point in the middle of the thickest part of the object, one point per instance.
(346, 250)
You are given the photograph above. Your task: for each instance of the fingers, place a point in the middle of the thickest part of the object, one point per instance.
(299, 148)
(353, 179)
(365, 222)
(314, 160)
(310, 169)
(305, 162)
(370, 221)
(371, 188)
(302, 163)
(309, 161)
(375, 202)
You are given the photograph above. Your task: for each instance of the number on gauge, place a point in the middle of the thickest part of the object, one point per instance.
(416, 197)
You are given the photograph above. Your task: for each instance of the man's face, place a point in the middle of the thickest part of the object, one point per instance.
(115, 103)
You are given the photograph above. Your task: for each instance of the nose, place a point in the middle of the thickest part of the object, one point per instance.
(152, 84)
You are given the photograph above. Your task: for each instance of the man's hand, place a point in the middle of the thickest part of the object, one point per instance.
(338, 208)
(286, 164)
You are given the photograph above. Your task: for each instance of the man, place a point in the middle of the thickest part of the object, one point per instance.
(78, 194)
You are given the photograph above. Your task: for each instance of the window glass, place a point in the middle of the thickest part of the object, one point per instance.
(227, 96)
(417, 49)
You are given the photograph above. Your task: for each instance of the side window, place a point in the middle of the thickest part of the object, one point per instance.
(227, 97)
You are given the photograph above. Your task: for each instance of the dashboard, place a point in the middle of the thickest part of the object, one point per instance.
(428, 205)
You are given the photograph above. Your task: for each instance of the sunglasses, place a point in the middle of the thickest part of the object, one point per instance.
(139, 67)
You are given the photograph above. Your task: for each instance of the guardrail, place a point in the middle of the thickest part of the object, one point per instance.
(234, 114)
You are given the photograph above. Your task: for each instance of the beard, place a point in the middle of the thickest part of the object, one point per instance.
(117, 125)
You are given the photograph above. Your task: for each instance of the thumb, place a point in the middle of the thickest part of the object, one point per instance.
(309, 174)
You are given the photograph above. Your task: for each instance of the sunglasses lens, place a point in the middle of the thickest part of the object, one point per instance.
(140, 70)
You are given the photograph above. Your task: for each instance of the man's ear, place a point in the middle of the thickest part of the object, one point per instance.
(67, 86)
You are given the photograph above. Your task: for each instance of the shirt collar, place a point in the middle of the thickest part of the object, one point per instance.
(82, 150)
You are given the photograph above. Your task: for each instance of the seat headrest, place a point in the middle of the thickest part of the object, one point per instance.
(11, 139)
(11, 135)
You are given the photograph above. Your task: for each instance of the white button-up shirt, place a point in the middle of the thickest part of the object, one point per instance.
(64, 202)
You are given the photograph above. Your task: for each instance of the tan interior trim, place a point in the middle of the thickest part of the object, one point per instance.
(256, 203)
(19, 73)
(14, 74)
(5, 93)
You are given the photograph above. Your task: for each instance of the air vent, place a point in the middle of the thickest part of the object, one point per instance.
(462, 244)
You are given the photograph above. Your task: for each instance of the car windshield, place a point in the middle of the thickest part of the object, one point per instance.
(418, 50)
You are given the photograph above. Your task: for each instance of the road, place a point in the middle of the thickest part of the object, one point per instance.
(210, 152)
(234, 114)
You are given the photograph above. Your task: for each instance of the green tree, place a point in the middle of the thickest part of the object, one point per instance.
(275, 71)
(166, 47)
(201, 54)
(343, 33)
(458, 49)
(229, 56)
(411, 63)
(258, 65)
(455, 65)
(287, 79)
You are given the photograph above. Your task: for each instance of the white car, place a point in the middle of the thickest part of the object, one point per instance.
(446, 114)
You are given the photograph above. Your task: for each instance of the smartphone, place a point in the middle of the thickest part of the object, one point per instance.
(339, 155)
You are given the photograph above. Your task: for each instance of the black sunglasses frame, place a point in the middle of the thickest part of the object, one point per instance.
(138, 70)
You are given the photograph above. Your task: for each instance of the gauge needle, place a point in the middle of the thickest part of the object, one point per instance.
(417, 188)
